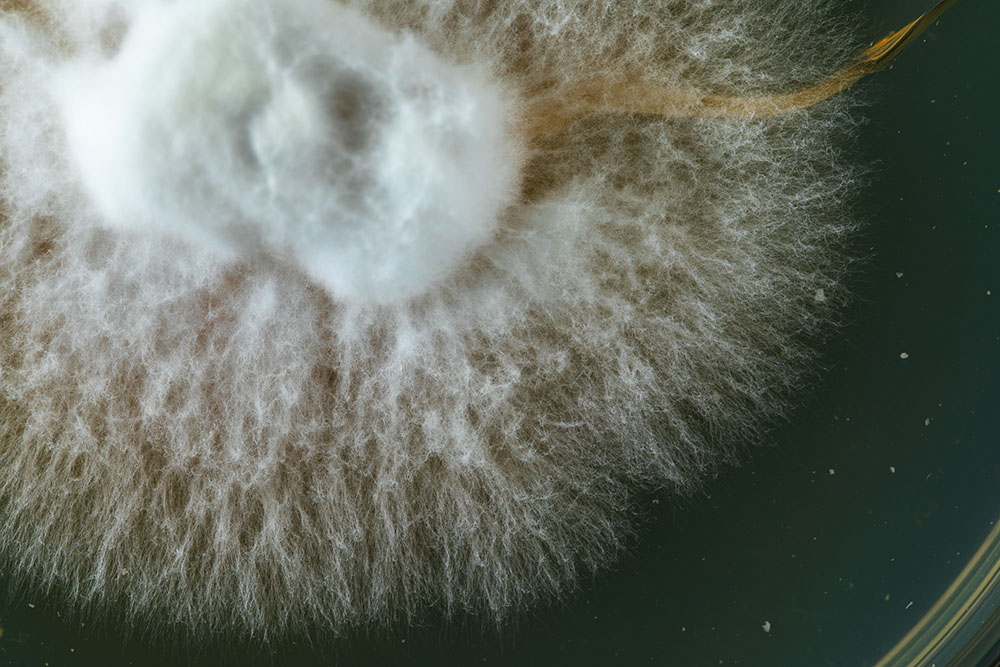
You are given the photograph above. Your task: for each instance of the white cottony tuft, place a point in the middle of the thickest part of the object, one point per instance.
(298, 129)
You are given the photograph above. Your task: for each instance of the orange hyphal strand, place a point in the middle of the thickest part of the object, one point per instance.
(549, 115)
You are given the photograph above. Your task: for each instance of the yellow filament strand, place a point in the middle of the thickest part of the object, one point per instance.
(549, 115)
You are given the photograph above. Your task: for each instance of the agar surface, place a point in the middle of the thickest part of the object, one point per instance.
(232, 412)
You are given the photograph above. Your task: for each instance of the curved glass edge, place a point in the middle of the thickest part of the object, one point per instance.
(963, 626)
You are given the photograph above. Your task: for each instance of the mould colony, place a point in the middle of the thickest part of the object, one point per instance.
(301, 330)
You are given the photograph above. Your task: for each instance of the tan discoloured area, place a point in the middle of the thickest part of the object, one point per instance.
(26, 8)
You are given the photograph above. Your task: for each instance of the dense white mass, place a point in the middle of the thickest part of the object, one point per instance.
(298, 332)
(299, 129)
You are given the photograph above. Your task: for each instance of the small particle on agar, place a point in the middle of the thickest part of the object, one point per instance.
(892, 469)
(899, 274)
(766, 626)
(904, 355)
(832, 471)
(927, 421)
(820, 296)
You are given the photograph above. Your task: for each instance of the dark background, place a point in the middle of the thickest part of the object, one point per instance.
(833, 560)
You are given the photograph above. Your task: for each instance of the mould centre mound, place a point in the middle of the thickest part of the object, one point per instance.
(299, 130)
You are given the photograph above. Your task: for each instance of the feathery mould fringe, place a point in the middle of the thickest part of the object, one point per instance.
(299, 333)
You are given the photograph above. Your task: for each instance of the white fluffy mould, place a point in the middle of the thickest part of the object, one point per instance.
(317, 315)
